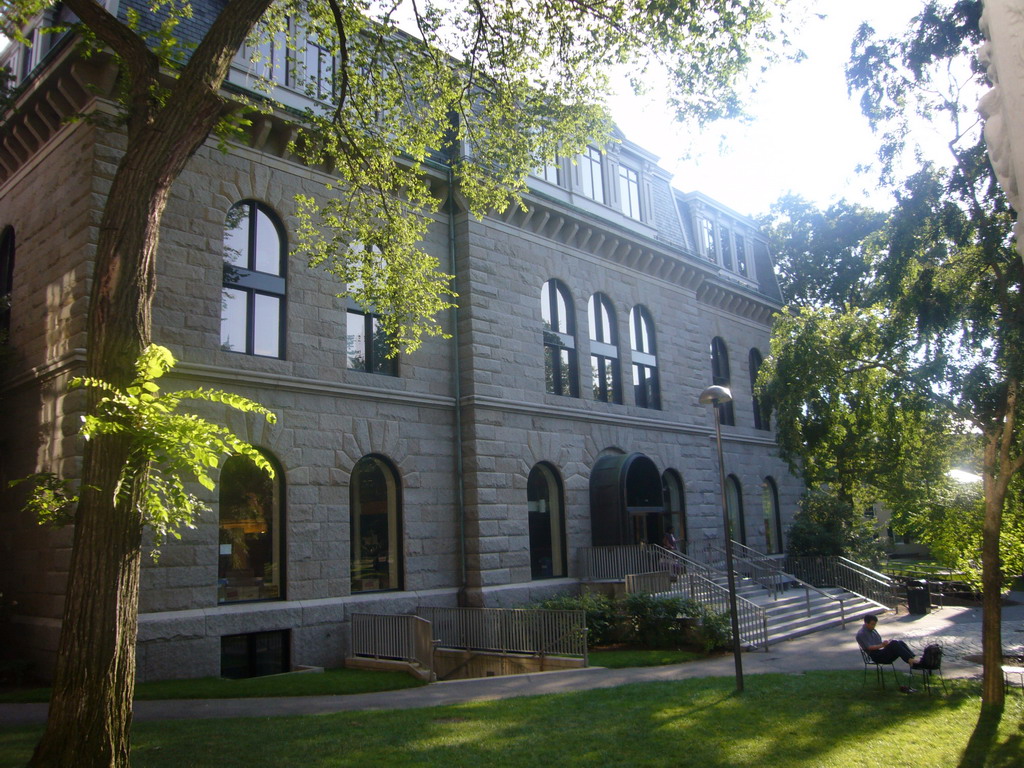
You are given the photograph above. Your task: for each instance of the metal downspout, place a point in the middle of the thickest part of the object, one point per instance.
(460, 494)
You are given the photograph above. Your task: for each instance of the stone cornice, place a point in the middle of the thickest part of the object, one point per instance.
(582, 231)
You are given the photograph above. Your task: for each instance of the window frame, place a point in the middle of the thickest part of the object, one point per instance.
(762, 420)
(646, 385)
(395, 527)
(253, 283)
(277, 533)
(721, 376)
(629, 192)
(559, 331)
(606, 374)
(591, 166)
(375, 359)
(546, 474)
(7, 255)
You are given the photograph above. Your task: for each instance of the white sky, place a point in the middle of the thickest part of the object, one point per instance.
(808, 136)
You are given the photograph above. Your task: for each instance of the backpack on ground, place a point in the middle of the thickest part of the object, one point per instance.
(931, 658)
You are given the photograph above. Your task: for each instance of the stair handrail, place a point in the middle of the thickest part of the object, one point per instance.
(847, 574)
(769, 578)
(876, 575)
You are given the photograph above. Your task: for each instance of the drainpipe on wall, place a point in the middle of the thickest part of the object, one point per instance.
(460, 496)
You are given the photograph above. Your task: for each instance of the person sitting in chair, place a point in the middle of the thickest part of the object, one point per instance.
(882, 652)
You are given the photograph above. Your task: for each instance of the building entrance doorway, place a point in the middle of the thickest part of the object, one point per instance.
(626, 501)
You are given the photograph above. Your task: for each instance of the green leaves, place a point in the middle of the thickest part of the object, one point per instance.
(166, 448)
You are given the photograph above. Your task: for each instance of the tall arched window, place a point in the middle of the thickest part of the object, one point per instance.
(547, 522)
(251, 512)
(720, 376)
(675, 505)
(6, 279)
(559, 339)
(772, 517)
(734, 505)
(646, 393)
(253, 306)
(376, 525)
(761, 419)
(604, 350)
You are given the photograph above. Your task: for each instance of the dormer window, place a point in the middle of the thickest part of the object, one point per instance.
(591, 180)
(741, 256)
(707, 232)
(629, 191)
(726, 248)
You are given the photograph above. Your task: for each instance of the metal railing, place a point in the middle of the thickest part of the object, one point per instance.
(510, 630)
(834, 571)
(689, 579)
(399, 637)
(614, 563)
(756, 566)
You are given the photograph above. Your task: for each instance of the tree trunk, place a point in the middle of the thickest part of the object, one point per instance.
(91, 705)
(995, 484)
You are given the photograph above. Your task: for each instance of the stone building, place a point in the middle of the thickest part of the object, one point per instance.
(471, 472)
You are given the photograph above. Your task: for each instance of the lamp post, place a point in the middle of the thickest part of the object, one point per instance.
(715, 396)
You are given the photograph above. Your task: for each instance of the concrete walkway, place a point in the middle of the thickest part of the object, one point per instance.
(958, 629)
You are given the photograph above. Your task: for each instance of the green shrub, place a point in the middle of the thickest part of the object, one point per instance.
(600, 611)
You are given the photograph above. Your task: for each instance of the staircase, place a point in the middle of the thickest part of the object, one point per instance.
(772, 604)
(833, 593)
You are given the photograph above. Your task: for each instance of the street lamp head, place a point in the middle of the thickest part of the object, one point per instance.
(715, 395)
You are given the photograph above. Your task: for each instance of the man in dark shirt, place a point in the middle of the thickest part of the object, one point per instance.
(883, 652)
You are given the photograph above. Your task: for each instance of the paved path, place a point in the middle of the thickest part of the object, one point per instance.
(958, 629)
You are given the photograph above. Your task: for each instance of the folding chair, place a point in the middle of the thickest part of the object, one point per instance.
(926, 674)
(879, 674)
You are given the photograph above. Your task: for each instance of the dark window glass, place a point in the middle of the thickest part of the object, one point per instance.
(376, 533)
(253, 299)
(254, 654)
(720, 376)
(547, 523)
(675, 506)
(734, 505)
(646, 389)
(604, 351)
(367, 345)
(251, 533)
(772, 517)
(559, 340)
(726, 249)
(762, 420)
(6, 280)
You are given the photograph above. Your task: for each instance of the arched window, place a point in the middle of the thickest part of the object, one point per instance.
(734, 505)
(720, 376)
(604, 350)
(772, 517)
(761, 419)
(253, 307)
(547, 523)
(646, 392)
(376, 526)
(675, 505)
(6, 280)
(559, 339)
(251, 512)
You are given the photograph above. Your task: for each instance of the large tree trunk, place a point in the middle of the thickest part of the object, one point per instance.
(91, 706)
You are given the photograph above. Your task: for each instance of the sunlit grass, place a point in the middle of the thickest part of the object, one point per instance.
(330, 682)
(817, 720)
(629, 657)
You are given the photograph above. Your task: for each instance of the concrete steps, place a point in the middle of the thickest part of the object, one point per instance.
(795, 611)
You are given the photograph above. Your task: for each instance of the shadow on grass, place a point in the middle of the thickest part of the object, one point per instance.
(984, 747)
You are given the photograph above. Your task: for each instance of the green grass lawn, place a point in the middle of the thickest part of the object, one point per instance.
(330, 682)
(817, 720)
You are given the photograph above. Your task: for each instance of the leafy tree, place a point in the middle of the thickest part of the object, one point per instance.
(819, 255)
(935, 343)
(827, 525)
(515, 82)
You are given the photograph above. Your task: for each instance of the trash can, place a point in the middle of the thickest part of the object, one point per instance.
(919, 599)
